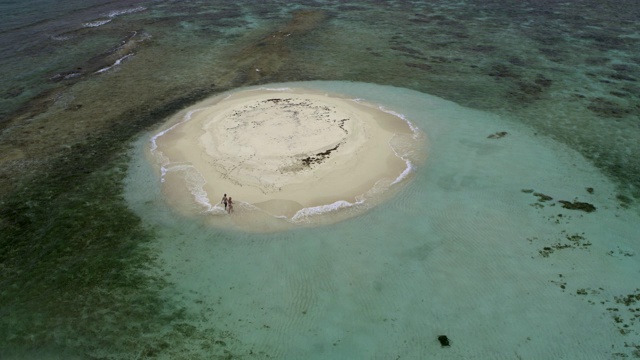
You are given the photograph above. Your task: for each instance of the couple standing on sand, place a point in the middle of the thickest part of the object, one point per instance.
(228, 203)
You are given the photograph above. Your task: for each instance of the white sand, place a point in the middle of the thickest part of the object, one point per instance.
(281, 153)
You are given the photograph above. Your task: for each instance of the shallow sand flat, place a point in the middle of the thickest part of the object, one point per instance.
(281, 152)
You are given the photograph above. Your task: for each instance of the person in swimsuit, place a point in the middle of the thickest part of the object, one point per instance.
(224, 201)
(230, 205)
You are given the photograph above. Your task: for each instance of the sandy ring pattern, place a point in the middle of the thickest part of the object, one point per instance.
(289, 153)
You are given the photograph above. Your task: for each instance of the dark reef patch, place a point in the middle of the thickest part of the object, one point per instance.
(12, 92)
(607, 108)
(543, 81)
(500, 71)
(421, 66)
(444, 341)
(60, 231)
(577, 205)
(622, 76)
(407, 50)
(624, 201)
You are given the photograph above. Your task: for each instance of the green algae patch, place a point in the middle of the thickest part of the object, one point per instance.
(73, 263)
(78, 277)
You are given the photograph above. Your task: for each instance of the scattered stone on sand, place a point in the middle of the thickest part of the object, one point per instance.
(559, 218)
(590, 190)
(629, 299)
(624, 311)
(576, 241)
(627, 321)
(561, 283)
(581, 292)
(620, 253)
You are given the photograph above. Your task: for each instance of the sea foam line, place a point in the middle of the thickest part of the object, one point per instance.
(407, 170)
(118, 62)
(112, 15)
(276, 89)
(195, 183)
(405, 173)
(97, 23)
(116, 13)
(186, 118)
(159, 156)
(414, 128)
(416, 132)
(305, 213)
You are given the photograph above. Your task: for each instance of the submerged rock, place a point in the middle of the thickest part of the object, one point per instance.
(497, 135)
(625, 201)
(444, 341)
(542, 197)
(577, 205)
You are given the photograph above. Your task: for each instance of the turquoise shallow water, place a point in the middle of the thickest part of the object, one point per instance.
(462, 248)
(94, 265)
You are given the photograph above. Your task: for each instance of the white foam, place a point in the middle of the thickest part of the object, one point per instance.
(60, 37)
(187, 117)
(276, 89)
(416, 133)
(159, 156)
(195, 183)
(116, 13)
(97, 23)
(116, 63)
(66, 76)
(163, 172)
(112, 15)
(304, 214)
(405, 173)
(412, 126)
(217, 209)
